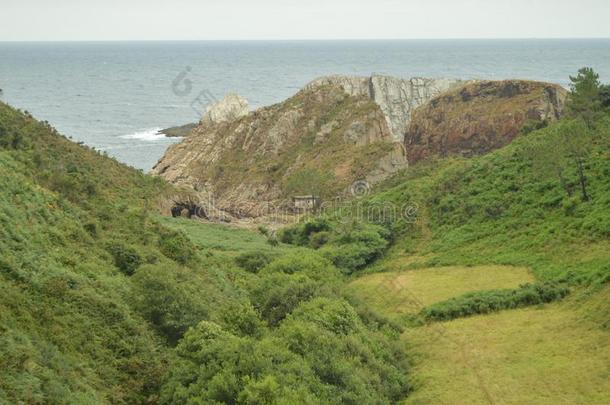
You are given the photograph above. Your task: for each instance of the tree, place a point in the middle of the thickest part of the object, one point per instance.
(549, 159)
(565, 146)
(605, 95)
(585, 96)
(576, 139)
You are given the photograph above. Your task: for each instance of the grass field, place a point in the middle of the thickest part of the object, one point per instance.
(398, 293)
(222, 239)
(546, 355)
(552, 354)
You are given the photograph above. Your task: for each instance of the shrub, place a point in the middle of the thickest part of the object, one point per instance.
(272, 240)
(126, 258)
(91, 228)
(177, 246)
(337, 316)
(533, 125)
(300, 234)
(213, 366)
(483, 302)
(303, 262)
(242, 320)
(319, 239)
(357, 246)
(278, 294)
(263, 230)
(253, 261)
(167, 297)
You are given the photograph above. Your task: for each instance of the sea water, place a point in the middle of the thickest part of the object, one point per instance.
(116, 96)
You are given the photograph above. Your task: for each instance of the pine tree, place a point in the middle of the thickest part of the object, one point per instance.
(585, 97)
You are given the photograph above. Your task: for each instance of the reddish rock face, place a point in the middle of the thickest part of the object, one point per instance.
(480, 117)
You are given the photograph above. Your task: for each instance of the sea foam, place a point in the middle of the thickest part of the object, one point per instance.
(147, 135)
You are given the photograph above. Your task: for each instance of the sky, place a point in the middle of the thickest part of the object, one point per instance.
(36, 20)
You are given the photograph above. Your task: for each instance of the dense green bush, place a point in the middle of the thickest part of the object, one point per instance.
(350, 246)
(253, 261)
(336, 316)
(241, 319)
(276, 295)
(319, 239)
(303, 261)
(357, 246)
(177, 246)
(215, 366)
(327, 356)
(125, 258)
(11, 137)
(166, 295)
(483, 302)
(301, 233)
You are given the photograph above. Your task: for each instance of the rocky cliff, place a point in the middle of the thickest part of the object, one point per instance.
(396, 97)
(480, 116)
(339, 130)
(317, 142)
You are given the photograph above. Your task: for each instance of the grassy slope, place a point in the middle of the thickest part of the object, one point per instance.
(408, 292)
(224, 241)
(545, 355)
(96, 291)
(490, 211)
(556, 353)
(68, 329)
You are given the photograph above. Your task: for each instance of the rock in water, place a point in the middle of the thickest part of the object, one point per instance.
(179, 132)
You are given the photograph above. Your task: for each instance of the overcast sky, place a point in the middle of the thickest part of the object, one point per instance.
(300, 19)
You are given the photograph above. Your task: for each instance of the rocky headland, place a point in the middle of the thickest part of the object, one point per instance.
(341, 129)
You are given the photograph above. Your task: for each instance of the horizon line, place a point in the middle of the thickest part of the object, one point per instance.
(303, 39)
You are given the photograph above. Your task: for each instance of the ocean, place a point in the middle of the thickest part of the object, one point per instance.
(116, 96)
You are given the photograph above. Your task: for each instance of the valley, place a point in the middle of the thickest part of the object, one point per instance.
(493, 290)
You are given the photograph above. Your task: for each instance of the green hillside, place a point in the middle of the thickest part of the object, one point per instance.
(102, 300)
(501, 284)
(487, 282)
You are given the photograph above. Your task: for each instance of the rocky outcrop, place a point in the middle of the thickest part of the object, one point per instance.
(231, 108)
(318, 142)
(178, 132)
(396, 97)
(339, 130)
(480, 117)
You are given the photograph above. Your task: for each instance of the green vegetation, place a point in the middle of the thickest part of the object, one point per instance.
(104, 301)
(404, 294)
(544, 355)
(484, 302)
(588, 96)
(350, 246)
(541, 203)
(253, 261)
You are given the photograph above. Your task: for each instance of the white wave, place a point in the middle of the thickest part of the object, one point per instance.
(147, 135)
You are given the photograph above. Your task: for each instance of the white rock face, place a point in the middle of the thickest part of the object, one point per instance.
(229, 109)
(396, 97)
